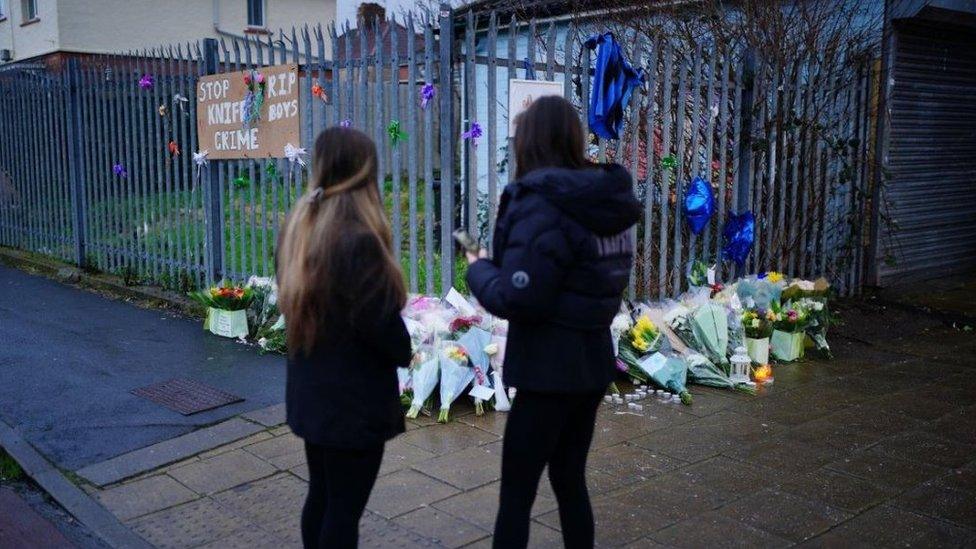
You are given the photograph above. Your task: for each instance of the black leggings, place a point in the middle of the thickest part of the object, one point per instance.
(543, 429)
(339, 483)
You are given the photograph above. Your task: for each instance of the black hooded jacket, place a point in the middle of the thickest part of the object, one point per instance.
(563, 251)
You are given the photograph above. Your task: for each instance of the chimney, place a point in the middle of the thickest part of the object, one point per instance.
(370, 12)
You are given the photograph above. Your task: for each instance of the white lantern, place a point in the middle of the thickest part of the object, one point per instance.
(740, 366)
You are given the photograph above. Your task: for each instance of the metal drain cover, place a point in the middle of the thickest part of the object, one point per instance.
(186, 396)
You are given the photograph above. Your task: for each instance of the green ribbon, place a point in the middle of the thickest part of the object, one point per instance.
(396, 133)
(669, 162)
(271, 170)
(242, 182)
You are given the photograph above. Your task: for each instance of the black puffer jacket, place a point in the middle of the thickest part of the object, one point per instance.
(345, 393)
(563, 251)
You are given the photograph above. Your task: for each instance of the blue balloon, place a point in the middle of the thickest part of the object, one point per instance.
(739, 233)
(699, 204)
(614, 79)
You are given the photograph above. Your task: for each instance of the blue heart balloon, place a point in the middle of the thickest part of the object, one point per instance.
(699, 204)
(739, 233)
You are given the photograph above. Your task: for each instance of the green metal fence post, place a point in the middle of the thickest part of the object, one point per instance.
(77, 175)
(214, 211)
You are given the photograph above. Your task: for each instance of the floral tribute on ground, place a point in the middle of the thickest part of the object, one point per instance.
(701, 337)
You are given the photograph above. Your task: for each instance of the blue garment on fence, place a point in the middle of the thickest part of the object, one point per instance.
(614, 79)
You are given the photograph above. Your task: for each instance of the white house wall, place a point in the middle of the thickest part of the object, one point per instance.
(112, 26)
(32, 39)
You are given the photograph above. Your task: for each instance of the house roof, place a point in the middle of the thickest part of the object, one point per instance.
(384, 31)
(543, 9)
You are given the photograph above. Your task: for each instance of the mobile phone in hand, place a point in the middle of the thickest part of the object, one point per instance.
(466, 241)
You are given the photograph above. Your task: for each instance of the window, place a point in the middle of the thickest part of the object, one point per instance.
(29, 10)
(3, 11)
(255, 13)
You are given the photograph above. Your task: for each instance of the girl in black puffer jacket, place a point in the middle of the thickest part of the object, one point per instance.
(563, 251)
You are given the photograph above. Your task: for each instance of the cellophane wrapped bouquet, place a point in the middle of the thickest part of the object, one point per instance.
(640, 348)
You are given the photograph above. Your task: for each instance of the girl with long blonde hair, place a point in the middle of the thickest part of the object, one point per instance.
(341, 291)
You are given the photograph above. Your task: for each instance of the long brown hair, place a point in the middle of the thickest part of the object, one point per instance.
(336, 267)
(548, 134)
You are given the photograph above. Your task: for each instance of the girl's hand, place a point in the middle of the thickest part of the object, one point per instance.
(482, 253)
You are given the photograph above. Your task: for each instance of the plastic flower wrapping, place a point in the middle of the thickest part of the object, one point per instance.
(456, 375)
(423, 378)
(459, 348)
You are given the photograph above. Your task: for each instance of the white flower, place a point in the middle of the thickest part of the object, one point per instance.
(491, 349)
(804, 285)
(817, 306)
(263, 343)
(755, 323)
(621, 323)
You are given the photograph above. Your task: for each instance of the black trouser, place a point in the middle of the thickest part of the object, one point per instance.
(553, 429)
(339, 483)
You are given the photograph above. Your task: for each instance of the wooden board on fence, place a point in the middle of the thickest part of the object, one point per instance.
(221, 99)
(521, 94)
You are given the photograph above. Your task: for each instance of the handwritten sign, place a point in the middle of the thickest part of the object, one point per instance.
(221, 100)
(521, 94)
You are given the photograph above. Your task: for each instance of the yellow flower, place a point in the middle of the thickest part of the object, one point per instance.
(774, 277)
(640, 343)
(456, 353)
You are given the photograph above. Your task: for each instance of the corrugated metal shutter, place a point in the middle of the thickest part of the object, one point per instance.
(932, 153)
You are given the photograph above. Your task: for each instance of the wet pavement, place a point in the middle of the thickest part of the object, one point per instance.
(70, 357)
(874, 448)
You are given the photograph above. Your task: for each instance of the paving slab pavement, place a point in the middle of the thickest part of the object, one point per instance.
(864, 450)
(874, 448)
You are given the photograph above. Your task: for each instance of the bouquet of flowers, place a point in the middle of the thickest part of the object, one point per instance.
(272, 338)
(710, 326)
(456, 374)
(226, 297)
(818, 320)
(813, 296)
(423, 378)
(403, 381)
(621, 324)
(475, 342)
(758, 322)
(789, 330)
(639, 352)
(758, 325)
(226, 309)
(759, 291)
(703, 371)
(705, 331)
(643, 338)
(496, 357)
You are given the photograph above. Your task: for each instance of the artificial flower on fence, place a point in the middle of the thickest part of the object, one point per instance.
(254, 99)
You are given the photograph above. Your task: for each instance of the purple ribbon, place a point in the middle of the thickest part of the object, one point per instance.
(119, 170)
(427, 94)
(473, 134)
(146, 81)
(346, 123)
